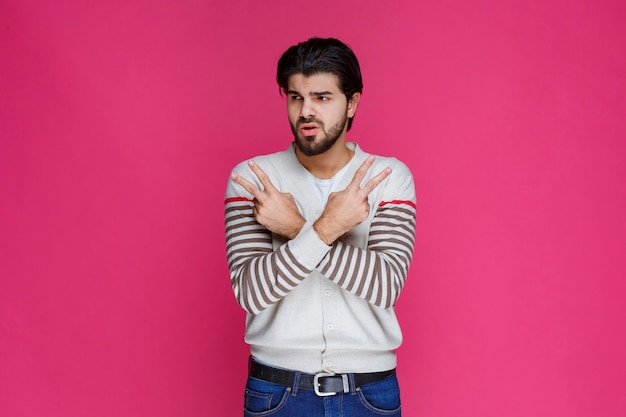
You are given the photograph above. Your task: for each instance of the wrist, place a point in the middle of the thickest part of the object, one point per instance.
(297, 229)
(323, 235)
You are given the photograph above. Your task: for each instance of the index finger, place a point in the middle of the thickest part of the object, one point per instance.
(374, 182)
(247, 185)
(261, 175)
(361, 171)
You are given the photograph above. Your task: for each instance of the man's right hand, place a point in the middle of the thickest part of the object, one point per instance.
(346, 209)
(273, 209)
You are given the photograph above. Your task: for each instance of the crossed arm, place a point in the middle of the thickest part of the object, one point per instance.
(262, 275)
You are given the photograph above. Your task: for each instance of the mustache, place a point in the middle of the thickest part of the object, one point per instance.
(303, 120)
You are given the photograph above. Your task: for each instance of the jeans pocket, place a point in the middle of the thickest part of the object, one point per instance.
(381, 398)
(263, 398)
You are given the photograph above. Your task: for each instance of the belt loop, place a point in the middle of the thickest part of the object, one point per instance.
(296, 383)
(352, 383)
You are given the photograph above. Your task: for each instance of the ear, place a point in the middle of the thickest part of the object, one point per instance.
(353, 103)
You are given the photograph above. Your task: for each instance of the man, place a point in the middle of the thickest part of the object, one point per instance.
(319, 241)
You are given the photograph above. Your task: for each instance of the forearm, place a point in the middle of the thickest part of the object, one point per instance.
(261, 275)
(377, 273)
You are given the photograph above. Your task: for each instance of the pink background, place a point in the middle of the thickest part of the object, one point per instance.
(120, 122)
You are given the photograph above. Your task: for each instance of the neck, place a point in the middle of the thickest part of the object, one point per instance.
(327, 164)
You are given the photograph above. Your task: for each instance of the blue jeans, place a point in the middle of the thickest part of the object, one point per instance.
(380, 398)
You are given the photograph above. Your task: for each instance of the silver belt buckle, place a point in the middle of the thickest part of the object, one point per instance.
(316, 383)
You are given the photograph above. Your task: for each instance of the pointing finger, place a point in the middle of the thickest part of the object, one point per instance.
(375, 181)
(361, 171)
(247, 185)
(262, 176)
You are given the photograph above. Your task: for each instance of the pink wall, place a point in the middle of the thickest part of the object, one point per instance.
(120, 121)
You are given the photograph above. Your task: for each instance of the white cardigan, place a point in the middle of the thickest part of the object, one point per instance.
(313, 307)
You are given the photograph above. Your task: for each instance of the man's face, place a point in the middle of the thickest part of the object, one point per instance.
(318, 111)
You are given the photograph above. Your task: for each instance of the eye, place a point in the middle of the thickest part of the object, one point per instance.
(323, 98)
(296, 97)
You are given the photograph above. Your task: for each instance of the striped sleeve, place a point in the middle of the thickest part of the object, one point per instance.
(259, 275)
(377, 273)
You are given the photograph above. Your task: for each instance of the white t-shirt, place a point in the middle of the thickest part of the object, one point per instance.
(324, 187)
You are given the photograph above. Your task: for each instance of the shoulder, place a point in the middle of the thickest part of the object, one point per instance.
(394, 163)
(267, 162)
(399, 185)
(398, 167)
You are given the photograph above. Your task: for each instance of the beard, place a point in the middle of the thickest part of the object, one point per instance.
(310, 145)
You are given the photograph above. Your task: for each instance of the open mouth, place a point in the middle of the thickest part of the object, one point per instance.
(309, 129)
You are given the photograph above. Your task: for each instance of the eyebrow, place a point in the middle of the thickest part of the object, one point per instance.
(314, 93)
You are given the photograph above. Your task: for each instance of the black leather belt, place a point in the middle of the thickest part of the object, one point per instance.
(323, 383)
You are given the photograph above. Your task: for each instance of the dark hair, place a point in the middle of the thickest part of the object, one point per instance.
(318, 55)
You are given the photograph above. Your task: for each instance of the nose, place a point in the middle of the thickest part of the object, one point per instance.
(307, 110)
